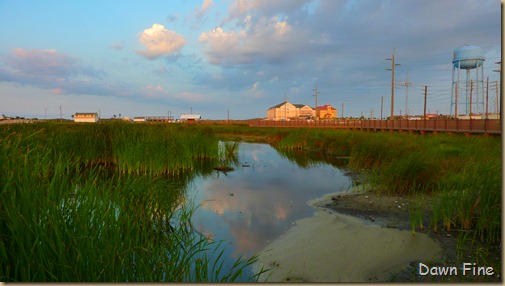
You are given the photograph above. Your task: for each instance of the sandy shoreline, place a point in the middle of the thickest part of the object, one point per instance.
(336, 247)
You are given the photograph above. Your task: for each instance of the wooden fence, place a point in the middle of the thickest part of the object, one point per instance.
(470, 126)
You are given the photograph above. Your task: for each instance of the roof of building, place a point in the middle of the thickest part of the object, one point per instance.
(191, 116)
(297, 105)
(279, 105)
(325, 107)
(302, 106)
(86, 113)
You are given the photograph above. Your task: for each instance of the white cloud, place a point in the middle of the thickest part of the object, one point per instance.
(160, 42)
(218, 43)
(268, 40)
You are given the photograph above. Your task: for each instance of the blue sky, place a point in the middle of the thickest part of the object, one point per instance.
(141, 58)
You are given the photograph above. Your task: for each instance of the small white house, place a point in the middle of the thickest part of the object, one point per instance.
(86, 117)
(190, 117)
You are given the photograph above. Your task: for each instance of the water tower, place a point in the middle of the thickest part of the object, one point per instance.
(467, 96)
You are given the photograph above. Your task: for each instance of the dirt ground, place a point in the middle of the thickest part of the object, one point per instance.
(394, 212)
(349, 228)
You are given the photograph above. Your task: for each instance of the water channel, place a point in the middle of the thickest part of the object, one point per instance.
(262, 197)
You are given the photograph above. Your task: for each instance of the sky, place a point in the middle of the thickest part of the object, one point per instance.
(237, 58)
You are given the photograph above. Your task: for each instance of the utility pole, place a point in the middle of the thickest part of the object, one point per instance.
(498, 110)
(61, 115)
(382, 105)
(392, 69)
(342, 110)
(471, 88)
(315, 94)
(487, 96)
(425, 97)
(456, 105)
(285, 108)
(45, 112)
(406, 83)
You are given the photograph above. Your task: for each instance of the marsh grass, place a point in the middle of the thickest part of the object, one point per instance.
(75, 208)
(462, 173)
(416, 214)
(228, 153)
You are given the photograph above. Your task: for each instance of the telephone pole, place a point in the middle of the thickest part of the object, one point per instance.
(425, 98)
(285, 107)
(382, 104)
(500, 86)
(315, 94)
(392, 69)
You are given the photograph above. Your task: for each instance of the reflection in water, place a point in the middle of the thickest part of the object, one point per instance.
(262, 197)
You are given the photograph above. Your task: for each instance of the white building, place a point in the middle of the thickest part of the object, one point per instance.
(289, 111)
(86, 117)
(190, 117)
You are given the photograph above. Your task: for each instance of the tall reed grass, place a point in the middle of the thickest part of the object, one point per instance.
(463, 173)
(76, 207)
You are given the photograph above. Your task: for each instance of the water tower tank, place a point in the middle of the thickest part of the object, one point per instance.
(468, 57)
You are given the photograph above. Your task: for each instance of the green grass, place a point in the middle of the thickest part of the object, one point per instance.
(462, 173)
(97, 203)
(94, 202)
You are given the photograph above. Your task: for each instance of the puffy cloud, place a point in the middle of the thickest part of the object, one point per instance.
(250, 45)
(160, 42)
(219, 43)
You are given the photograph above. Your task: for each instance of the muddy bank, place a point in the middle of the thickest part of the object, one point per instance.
(358, 237)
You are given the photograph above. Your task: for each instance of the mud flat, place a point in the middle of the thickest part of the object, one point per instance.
(336, 247)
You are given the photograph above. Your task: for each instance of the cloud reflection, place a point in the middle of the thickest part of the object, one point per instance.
(253, 205)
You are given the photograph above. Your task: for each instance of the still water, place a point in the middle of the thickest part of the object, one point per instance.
(263, 197)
